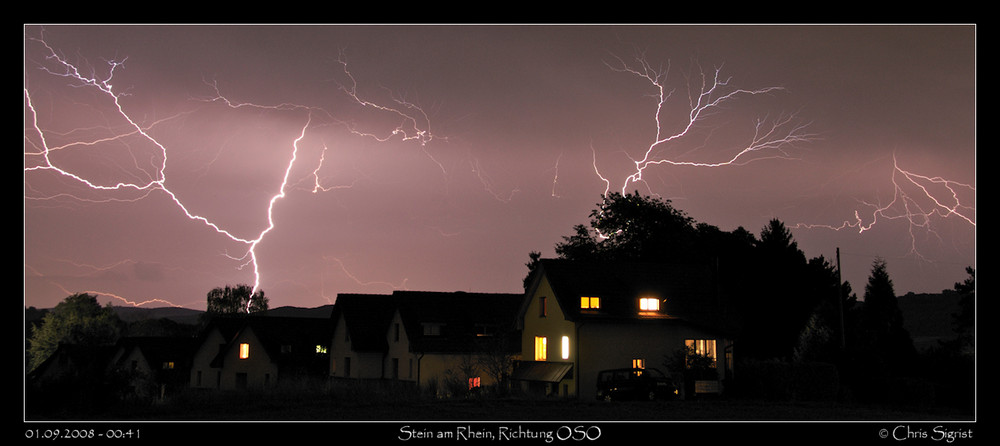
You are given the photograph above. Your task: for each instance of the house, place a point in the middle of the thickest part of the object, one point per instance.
(155, 365)
(437, 341)
(579, 318)
(72, 363)
(261, 352)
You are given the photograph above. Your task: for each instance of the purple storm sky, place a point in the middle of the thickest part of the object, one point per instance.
(223, 136)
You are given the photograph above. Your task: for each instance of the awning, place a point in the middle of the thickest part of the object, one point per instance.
(551, 372)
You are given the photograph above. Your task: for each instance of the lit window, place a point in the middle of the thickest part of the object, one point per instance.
(320, 348)
(591, 303)
(540, 346)
(168, 365)
(565, 347)
(474, 382)
(702, 347)
(244, 351)
(638, 363)
(649, 304)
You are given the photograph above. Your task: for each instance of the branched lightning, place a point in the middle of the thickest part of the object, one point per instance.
(414, 126)
(916, 199)
(771, 138)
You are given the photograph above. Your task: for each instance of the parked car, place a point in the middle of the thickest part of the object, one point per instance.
(634, 384)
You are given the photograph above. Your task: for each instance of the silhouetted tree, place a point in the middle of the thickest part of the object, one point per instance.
(630, 227)
(533, 258)
(782, 295)
(882, 321)
(965, 319)
(233, 300)
(78, 319)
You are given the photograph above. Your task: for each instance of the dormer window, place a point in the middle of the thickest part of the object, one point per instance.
(649, 304)
(590, 303)
(432, 329)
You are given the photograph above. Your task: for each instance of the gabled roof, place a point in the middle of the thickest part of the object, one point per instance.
(287, 340)
(74, 360)
(463, 318)
(467, 321)
(160, 349)
(291, 340)
(687, 292)
(367, 318)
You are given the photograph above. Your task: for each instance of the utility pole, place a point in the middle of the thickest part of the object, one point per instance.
(840, 301)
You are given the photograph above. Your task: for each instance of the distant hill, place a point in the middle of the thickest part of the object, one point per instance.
(321, 312)
(189, 316)
(176, 314)
(929, 317)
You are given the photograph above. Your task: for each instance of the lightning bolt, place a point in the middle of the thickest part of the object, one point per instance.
(917, 199)
(413, 126)
(711, 92)
(772, 138)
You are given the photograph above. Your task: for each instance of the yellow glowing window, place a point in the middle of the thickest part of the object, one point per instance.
(474, 382)
(540, 346)
(565, 347)
(244, 351)
(320, 348)
(638, 363)
(649, 304)
(592, 303)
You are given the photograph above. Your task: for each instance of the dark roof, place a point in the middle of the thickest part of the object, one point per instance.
(687, 292)
(467, 321)
(367, 318)
(291, 339)
(463, 319)
(74, 360)
(288, 341)
(160, 349)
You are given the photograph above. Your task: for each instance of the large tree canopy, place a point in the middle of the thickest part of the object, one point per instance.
(79, 319)
(632, 227)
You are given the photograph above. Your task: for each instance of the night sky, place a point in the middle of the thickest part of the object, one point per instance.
(317, 160)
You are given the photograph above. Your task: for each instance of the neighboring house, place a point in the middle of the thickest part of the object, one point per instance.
(155, 366)
(73, 363)
(261, 352)
(359, 345)
(434, 340)
(580, 318)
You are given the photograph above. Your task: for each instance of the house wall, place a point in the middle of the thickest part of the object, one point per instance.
(201, 362)
(439, 368)
(133, 355)
(552, 326)
(363, 365)
(397, 359)
(258, 369)
(611, 346)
